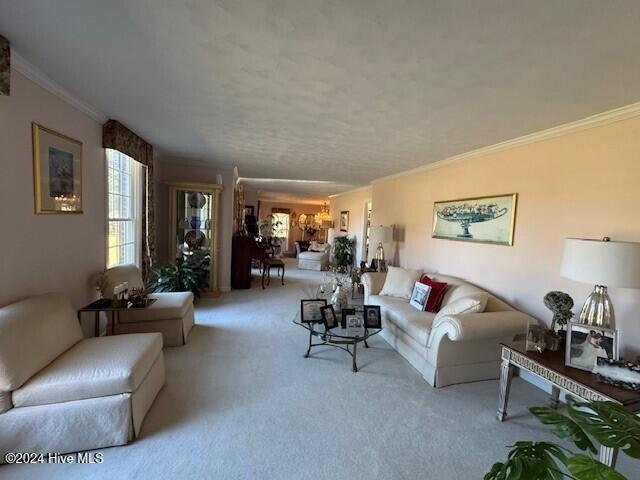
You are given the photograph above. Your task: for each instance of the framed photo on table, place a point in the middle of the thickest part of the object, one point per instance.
(346, 312)
(372, 316)
(57, 172)
(310, 310)
(329, 317)
(586, 343)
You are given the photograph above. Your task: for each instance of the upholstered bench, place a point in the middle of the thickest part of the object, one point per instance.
(62, 393)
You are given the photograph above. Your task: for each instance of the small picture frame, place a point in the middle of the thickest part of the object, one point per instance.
(372, 316)
(586, 343)
(329, 317)
(344, 221)
(310, 310)
(419, 296)
(345, 313)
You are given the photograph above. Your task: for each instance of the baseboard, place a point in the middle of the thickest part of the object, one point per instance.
(225, 288)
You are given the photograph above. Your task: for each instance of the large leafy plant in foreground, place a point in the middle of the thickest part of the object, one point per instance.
(585, 425)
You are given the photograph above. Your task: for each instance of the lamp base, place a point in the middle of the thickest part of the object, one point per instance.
(598, 309)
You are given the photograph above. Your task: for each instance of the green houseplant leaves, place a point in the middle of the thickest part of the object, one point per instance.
(188, 275)
(605, 422)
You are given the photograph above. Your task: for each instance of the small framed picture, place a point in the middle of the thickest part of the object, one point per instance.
(344, 221)
(419, 296)
(310, 310)
(345, 313)
(372, 317)
(585, 344)
(329, 317)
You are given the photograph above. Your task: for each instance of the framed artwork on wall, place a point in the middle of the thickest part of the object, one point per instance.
(478, 219)
(57, 172)
(344, 221)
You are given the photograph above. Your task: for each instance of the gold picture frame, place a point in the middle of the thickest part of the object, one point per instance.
(487, 219)
(57, 172)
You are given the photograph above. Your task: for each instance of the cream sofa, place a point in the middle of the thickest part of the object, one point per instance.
(171, 314)
(447, 349)
(311, 260)
(62, 393)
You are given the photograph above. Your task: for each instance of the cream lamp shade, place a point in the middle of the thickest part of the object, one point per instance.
(602, 263)
(380, 234)
(613, 264)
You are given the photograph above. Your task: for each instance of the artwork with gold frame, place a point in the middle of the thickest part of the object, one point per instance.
(57, 172)
(489, 219)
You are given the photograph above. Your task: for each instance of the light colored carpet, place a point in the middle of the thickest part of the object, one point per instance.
(241, 402)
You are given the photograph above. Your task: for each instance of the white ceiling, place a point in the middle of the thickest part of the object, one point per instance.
(294, 191)
(336, 90)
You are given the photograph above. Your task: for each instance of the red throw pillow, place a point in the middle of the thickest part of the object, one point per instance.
(436, 295)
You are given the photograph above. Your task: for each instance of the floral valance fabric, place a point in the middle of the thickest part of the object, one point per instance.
(5, 66)
(118, 137)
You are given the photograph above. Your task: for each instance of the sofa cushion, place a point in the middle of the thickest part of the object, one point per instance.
(168, 306)
(399, 282)
(95, 367)
(413, 322)
(457, 288)
(438, 289)
(33, 333)
(475, 303)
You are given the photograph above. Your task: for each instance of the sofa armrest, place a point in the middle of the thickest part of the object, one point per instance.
(483, 326)
(373, 282)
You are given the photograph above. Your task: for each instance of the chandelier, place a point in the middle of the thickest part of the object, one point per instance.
(322, 215)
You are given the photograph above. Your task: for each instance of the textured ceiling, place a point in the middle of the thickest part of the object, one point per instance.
(294, 191)
(334, 90)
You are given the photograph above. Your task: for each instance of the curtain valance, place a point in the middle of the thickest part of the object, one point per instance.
(5, 66)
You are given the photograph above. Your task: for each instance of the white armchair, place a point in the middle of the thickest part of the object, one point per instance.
(62, 393)
(447, 349)
(171, 314)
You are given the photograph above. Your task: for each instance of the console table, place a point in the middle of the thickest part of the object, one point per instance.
(550, 366)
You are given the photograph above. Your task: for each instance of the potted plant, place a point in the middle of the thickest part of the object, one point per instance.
(343, 252)
(187, 275)
(560, 304)
(268, 226)
(586, 425)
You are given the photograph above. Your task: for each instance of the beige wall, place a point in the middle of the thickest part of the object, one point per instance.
(585, 184)
(175, 170)
(55, 252)
(354, 202)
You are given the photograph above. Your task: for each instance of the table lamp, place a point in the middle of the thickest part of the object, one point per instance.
(381, 235)
(605, 264)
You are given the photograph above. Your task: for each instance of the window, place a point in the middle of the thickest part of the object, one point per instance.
(124, 209)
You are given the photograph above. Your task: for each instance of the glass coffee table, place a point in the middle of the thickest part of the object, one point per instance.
(338, 337)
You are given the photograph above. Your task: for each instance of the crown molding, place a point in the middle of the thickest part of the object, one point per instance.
(597, 120)
(354, 190)
(19, 63)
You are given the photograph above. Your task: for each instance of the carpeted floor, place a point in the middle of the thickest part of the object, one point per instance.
(241, 402)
